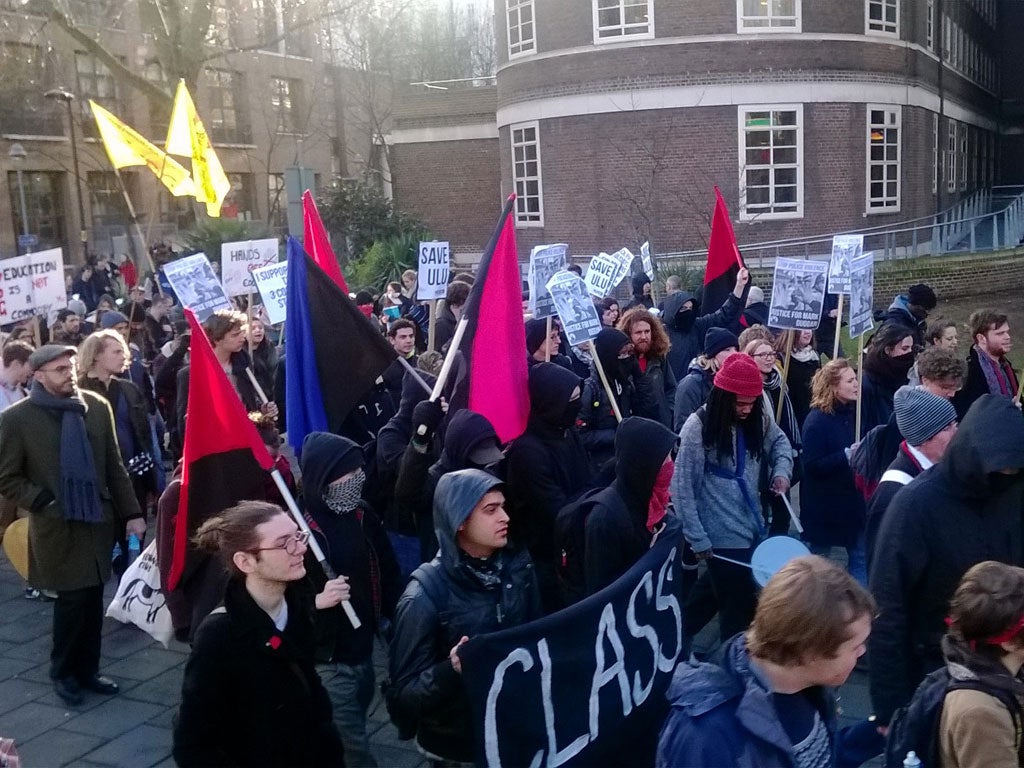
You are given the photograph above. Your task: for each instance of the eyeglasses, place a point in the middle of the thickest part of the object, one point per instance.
(765, 355)
(291, 546)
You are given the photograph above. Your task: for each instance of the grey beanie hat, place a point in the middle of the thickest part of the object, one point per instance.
(920, 415)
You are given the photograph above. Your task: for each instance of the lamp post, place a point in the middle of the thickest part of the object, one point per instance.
(67, 97)
(18, 154)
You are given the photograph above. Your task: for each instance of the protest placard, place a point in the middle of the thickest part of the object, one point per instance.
(576, 309)
(434, 267)
(797, 294)
(646, 261)
(623, 263)
(272, 282)
(31, 284)
(845, 248)
(239, 259)
(606, 271)
(862, 290)
(196, 285)
(545, 261)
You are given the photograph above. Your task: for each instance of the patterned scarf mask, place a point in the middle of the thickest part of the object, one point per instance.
(342, 497)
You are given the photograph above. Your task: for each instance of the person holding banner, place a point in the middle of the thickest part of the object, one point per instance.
(251, 695)
(717, 483)
(478, 583)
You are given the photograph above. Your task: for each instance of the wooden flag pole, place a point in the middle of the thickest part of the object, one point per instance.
(449, 360)
(547, 347)
(785, 375)
(839, 326)
(860, 381)
(135, 222)
(300, 521)
(604, 382)
(432, 326)
(248, 334)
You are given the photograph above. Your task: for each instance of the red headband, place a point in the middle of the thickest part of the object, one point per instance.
(1002, 637)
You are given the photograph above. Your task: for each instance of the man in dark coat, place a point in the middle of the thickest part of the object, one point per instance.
(547, 466)
(449, 316)
(620, 528)
(61, 462)
(964, 510)
(402, 337)
(650, 346)
(927, 423)
(357, 547)
(988, 369)
(910, 311)
(641, 292)
(686, 331)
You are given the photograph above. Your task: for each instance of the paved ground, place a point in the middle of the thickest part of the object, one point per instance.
(133, 729)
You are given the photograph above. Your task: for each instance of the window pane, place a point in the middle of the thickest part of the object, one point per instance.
(785, 155)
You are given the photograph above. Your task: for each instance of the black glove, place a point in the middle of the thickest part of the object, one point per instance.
(425, 418)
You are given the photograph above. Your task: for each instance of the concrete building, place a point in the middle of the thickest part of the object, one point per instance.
(615, 118)
(266, 109)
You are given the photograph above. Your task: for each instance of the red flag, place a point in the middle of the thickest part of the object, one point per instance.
(316, 242)
(223, 458)
(724, 260)
(495, 340)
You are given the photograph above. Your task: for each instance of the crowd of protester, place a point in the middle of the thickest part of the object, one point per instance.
(702, 424)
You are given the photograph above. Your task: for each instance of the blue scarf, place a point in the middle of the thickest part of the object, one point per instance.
(79, 494)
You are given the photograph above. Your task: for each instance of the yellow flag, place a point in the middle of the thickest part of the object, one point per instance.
(126, 147)
(187, 137)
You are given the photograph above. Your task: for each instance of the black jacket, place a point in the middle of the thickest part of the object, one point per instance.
(264, 365)
(425, 685)
(975, 385)
(662, 387)
(356, 546)
(957, 514)
(616, 533)
(392, 441)
(122, 388)
(885, 492)
(444, 328)
(686, 332)
(251, 696)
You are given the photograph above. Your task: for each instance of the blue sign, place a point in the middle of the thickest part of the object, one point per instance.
(28, 241)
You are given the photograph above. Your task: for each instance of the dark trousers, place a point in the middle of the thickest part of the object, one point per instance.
(77, 630)
(734, 589)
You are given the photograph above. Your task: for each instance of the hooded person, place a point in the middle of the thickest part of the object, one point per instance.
(693, 389)
(624, 523)
(965, 510)
(630, 388)
(641, 292)
(909, 311)
(477, 583)
(547, 466)
(357, 547)
(687, 330)
(469, 442)
(887, 363)
(537, 337)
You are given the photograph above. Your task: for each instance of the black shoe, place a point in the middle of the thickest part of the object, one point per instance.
(100, 684)
(69, 691)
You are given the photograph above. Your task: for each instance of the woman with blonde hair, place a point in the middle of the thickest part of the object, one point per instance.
(832, 509)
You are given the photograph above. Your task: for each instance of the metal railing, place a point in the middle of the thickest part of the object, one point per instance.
(988, 220)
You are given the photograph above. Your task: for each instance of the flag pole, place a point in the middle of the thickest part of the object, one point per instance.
(256, 385)
(607, 386)
(547, 335)
(135, 219)
(839, 326)
(449, 360)
(785, 375)
(248, 313)
(415, 375)
(860, 381)
(313, 545)
(431, 323)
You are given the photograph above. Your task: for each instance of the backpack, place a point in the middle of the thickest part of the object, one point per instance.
(434, 584)
(915, 727)
(570, 541)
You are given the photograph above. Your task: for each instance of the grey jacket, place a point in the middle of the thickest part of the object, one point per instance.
(714, 510)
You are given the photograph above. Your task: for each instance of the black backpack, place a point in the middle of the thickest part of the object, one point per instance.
(570, 538)
(915, 727)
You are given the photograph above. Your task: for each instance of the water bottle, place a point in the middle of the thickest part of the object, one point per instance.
(911, 760)
(135, 549)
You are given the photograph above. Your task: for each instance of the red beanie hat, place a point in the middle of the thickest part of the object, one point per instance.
(740, 375)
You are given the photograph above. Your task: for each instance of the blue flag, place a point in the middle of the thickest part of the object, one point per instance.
(304, 402)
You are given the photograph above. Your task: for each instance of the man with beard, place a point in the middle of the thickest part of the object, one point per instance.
(988, 370)
(66, 328)
(686, 331)
(651, 345)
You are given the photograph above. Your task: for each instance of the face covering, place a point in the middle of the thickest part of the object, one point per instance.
(572, 410)
(685, 318)
(343, 497)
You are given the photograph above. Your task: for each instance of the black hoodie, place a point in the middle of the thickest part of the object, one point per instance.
(547, 466)
(957, 514)
(616, 529)
(638, 281)
(356, 546)
(686, 331)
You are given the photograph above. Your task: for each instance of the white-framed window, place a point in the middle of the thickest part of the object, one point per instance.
(947, 30)
(520, 27)
(771, 161)
(883, 163)
(623, 19)
(935, 152)
(883, 17)
(768, 15)
(962, 160)
(951, 156)
(929, 25)
(526, 175)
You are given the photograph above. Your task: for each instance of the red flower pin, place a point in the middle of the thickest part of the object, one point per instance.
(274, 642)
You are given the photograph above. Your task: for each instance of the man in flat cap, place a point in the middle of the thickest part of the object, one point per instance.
(61, 462)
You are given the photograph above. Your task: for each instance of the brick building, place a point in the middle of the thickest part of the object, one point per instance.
(267, 96)
(614, 119)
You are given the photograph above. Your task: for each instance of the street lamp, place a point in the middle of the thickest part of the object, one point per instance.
(67, 97)
(18, 154)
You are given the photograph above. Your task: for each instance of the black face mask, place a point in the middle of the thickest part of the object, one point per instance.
(685, 318)
(572, 410)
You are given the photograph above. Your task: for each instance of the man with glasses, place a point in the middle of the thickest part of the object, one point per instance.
(60, 461)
